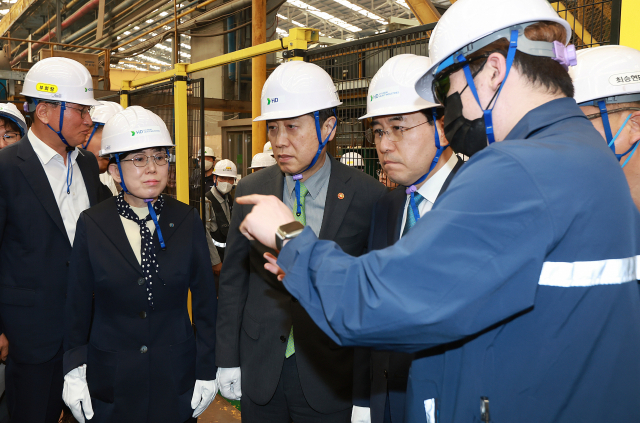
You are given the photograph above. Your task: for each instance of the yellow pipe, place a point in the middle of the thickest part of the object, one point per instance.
(629, 34)
(575, 24)
(181, 124)
(124, 98)
(298, 38)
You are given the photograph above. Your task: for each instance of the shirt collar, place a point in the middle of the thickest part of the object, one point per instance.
(545, 115)
(46, 153)
(431, 188)
(315, 182)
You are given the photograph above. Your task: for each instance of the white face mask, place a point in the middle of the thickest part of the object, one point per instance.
(224, 187)
(208, 165)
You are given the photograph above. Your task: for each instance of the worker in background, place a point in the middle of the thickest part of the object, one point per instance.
(45, 183)
(12, 125)
(100, 114)
(219, 204)
(209, 162)
(607, 83)
(353, 159)
(413, 151)
(269, 352)
(524, 271)
(138, 360)
(261, 160)
(268, 148)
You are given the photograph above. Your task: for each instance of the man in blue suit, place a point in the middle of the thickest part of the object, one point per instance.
(45, 183)
(524, 271)
(413, 153)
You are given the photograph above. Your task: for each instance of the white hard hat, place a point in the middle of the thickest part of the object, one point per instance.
(134, 128)
(262, 160)
(59, 79)
(468, 21)
(11, 112)
(225, 168)
(267, 148)
(607, 72)
(208, 152)
(352, 158)
(392, 90)
(295, 89)
(104, 111)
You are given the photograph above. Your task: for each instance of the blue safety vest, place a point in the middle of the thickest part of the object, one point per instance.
(523, 275)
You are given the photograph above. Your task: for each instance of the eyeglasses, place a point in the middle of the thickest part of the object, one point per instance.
(622, 109)
(10, 136)
(83, 112)
(395, 134)
(442, 83)
(141, 160)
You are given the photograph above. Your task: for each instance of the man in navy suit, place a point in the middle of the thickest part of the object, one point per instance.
(413, 153)
(45, 183)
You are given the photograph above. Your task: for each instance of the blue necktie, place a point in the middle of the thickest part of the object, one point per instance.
(411, 219)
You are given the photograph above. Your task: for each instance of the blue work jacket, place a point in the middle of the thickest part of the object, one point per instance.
(525, 270)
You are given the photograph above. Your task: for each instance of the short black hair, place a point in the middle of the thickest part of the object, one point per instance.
(428, 113)
(326, 114)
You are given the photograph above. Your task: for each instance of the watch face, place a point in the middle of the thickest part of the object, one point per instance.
(291, 227)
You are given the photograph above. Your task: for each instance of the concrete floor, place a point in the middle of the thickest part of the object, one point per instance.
(220, 411)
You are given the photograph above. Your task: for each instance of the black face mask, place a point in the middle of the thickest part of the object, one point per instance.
(465, 136)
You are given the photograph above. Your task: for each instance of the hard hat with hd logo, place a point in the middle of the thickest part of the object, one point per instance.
(392, 90)
(134, 128)
(295, 89)
(58, 79)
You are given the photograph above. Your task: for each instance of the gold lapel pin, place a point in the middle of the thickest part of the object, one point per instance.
(341, 196)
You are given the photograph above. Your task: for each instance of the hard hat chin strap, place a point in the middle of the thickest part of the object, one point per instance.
(612, 139)
(95, 128)
(411, 189)
(70, 149)
(488, 118)
(321, 145)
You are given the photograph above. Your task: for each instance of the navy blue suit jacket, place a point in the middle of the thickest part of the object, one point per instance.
(142, 363)
(34, 252)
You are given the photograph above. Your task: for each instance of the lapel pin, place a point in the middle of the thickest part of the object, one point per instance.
(171, 225)
(341, 196)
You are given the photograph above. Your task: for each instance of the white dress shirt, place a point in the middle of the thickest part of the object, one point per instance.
(430, 190)
(110, 183)
(132, 229)
(72, 204)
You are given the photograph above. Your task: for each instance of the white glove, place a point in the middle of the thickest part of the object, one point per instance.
(203, 393)
(360, 414)
(76, 394)
(229, 382)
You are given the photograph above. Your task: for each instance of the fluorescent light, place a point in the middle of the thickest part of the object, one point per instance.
(282, 31)
(324, 15)
(354, 7)
(149, 21)
(403, 3)
(127, 33)
(136, 28)
(163, 14)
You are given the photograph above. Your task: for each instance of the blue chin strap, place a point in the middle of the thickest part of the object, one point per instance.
(321, 145)
(63, 106)
(152, 211)
(411, 189)
(611, 140)
(488, 119)
(95, 128)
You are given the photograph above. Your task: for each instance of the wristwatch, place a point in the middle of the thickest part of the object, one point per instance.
(288, 231)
